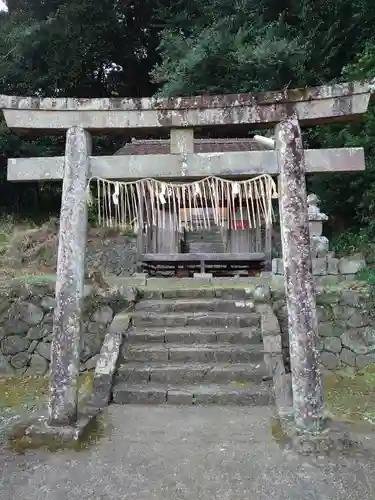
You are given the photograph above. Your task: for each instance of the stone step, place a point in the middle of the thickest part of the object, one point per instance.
(192, 290)
(258, 395)
(183, 373)
(196, 353)
(191, 335)
(196, 305)
(238, 320)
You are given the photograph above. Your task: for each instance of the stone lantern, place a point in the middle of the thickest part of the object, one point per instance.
(319, 243)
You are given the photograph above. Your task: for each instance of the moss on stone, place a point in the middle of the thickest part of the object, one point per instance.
(242, 384)
(20, 393)
(278, 432)
(20, 443)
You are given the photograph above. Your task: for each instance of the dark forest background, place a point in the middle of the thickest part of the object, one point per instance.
(123, 48)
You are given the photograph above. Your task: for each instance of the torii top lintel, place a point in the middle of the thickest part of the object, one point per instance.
(315, 105)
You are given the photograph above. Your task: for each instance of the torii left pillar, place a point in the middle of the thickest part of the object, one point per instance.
(65, 354)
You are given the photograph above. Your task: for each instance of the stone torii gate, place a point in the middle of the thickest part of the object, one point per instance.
(286, 111)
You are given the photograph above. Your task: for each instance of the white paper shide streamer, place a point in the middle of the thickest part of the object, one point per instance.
(192, 205)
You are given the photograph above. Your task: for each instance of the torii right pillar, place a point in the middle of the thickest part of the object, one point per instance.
(299, 285)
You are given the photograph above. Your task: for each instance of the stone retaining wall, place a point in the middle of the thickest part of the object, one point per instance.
(26, 315)
(346, 326)
(345, 268)
(116, 258)
(345, 314)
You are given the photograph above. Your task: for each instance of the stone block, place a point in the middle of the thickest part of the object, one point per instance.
(352, 298)
(29, 313)
(143, 276)
(328, 280)
(33, 346)
(266, 274)
(351, 266)
(48, 319)
(103, 315)
(316, 227)
(277, 285)
(319, 266)
(348, 357)
(272, 344)
(215, 319)
(105, 368)
(332, 266)
(38, 365)
(15, 327)
(262, 293)
(122, 394)
(180, 397)
(364, 360)
(120, 324)
(44, 350)
(39, 332)
(203, 276)
(343, 313)
(5, 367)
(282, 386)
(329, 360)
(330, 329)
(332, 344)
(192, 290)
(359, 319)
(40, 433)
(319, 344)
(322, 314)
(96, 328)
(13, 344)
(234, 293)
(319, 246)
(90, 346)
(102, 390)
(277, 266)
(269, 322)
(20, 360)
(48, 303)
(360, 341)
(326, 297)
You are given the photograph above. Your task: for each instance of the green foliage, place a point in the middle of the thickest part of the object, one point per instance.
(234, 46)
(228, 57)
(350, 242)
(349, 197)
(68, 48)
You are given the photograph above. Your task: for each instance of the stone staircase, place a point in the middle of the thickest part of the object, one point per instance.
(190, 350)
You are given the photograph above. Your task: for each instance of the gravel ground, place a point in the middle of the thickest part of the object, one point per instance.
(185, 453)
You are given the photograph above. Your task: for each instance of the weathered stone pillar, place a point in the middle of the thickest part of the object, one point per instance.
(299, 286)
(65, 355)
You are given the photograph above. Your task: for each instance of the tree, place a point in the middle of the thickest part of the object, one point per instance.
(250, 46)
(77, 49)
(351, 198)
(247, 46)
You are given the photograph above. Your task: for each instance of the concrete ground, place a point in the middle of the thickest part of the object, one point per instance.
(192, 453)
